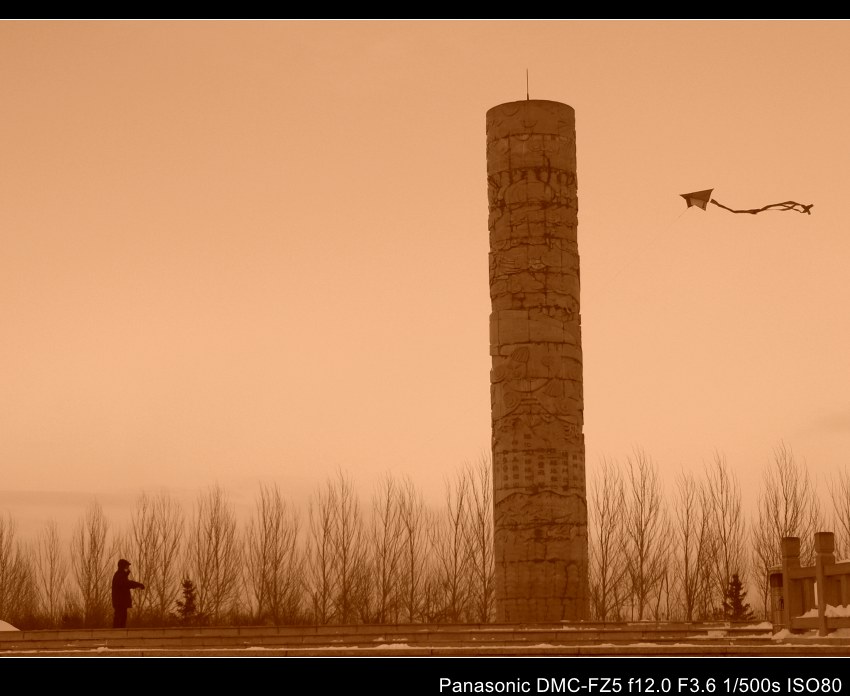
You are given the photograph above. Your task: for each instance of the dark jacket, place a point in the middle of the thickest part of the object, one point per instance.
(121, 586)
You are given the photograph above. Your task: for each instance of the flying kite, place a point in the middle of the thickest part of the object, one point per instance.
(701, 199)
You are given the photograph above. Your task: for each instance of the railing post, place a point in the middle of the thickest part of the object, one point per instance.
(807, 587)
(790, 559)
(777, 600)
(824, 556)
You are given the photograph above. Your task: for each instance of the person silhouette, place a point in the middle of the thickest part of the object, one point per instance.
(121, 599)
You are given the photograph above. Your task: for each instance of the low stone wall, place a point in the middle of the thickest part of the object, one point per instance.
(424, 640)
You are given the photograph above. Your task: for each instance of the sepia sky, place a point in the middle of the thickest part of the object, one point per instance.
(234, 252)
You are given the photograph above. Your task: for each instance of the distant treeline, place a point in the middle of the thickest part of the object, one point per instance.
(684, 555)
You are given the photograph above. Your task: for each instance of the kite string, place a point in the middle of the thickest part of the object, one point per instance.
(646, 247)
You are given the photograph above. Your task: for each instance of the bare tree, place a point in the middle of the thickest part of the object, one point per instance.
(336, 553)
(608, 566)
(726, 528)
(839, 493)
(662, 596)
(647, 532)
(479, 540)
(214, 555)
(385, 550)
(413, 519)
(320, 553)
(349, 550)
(450, 551)
(691, 528)
(273, 560)
(788, 506)
(157, 527)
(432, 596)
(17, 587)
(51, 572)
(92, 564)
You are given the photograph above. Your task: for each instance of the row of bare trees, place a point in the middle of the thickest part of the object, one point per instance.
(392, 561)
(655, 553)
(671, 555)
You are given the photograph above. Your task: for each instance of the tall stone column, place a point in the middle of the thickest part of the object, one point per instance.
(540, 508)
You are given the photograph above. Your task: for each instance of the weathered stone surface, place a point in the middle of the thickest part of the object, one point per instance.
(536, 378)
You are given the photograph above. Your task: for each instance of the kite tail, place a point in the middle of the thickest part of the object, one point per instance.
(786, 205)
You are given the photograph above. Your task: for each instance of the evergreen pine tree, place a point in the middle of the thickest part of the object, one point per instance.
(734, 606)
(187, 613)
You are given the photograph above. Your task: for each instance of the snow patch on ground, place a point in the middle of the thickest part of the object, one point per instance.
(7, 626)
(831, 612)
(840, 633)
(835, 633)
(763, 624)
(747, 635)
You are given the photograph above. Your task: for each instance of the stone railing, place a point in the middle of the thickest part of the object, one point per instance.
(811, 597)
